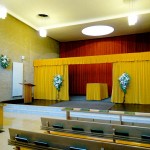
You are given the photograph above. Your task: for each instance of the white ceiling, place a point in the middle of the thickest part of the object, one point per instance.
(68, 17)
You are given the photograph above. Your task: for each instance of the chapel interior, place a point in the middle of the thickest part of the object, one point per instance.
(67, 90)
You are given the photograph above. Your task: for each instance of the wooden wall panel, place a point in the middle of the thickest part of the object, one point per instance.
(79, 75)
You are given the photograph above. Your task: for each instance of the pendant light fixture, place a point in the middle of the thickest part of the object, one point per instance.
(132, 17)
(3, 12)
(42, 31)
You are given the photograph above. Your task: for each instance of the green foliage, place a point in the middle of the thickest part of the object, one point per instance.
(124, 82)
(58, 82)
(4, 61)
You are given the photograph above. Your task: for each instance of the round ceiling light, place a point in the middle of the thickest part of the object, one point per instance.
(98, 30)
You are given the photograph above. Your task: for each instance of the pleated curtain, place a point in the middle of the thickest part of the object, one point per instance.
(137, 65)
(43, 80)
(138, 91)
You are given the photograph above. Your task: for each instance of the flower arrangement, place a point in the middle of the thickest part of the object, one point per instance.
(58, 82)
(4, 61)
(124, 82)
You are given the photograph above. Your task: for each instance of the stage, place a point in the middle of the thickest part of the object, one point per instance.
(116, 107)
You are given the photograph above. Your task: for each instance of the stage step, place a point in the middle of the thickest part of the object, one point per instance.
(46, 111)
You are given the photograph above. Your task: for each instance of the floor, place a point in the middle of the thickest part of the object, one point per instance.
(19, 121)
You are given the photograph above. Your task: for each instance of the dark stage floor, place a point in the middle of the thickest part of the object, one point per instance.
(115, 107)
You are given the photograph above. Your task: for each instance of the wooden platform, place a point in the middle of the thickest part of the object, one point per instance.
(116, 107)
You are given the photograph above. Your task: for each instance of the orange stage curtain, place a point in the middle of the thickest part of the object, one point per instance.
(80, 75)
(101, 46)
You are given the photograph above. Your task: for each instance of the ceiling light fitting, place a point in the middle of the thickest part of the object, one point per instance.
(3, 12)
(98, 30)
(42, 31)
(132, 17)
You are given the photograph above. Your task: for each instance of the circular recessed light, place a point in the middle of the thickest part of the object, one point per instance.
(98, 30)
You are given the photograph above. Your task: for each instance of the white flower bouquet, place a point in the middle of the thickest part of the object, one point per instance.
(124, 82)
(4, 61)
(58, 82)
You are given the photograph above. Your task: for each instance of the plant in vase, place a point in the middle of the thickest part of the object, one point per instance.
(4, 61)
(58, 83)
(124, 82)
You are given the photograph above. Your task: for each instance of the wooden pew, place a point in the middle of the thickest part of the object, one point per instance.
(118, 114)
(40, 141)
(129, 135)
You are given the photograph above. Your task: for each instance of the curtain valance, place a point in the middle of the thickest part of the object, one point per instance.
(94, 59)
